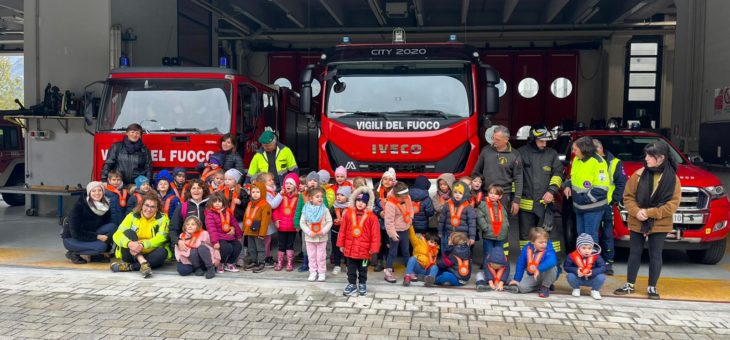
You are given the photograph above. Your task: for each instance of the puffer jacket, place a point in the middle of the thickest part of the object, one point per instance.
(365, 244)
(215, 227)
(115, 208)
(484, 222)
(423, 206)
(177, 219)
(455, 257)
(130, 165)
(160, 231)
(425, 255)
(549, 260)
(438, 204)
(284, 221)
(468, 224)
(83, 222)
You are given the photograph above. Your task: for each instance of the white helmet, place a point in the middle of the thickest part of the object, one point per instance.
(523, 133)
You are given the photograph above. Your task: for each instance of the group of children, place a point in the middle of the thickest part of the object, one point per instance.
(354, 224)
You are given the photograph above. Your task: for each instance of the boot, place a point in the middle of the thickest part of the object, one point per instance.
(305, 265)
(289, 260)
(380, 266)
(389, 277)
(279, 260)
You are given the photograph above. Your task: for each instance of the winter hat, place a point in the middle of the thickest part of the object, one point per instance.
(141, 180)
(215, 159)
(179, 170)
(93, 185)
(422, 183)
(449, 178)
(390, 173)
(313, 176)
(364, 197)
(584, 239)
(235, 174)
(324, 176)
(496, 256)
(462, 188)
(341, 171)
(345, 190)
(164, 175)
(262, 189)
(293, 178)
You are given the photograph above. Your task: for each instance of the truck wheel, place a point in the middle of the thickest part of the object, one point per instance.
(711, 255)
(15, 199)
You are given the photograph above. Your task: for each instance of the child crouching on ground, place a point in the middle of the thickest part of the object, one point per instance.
(316, 223)
(539, 260)
(359, 239)
(496, 272)
(197, 252)
(225, 235)
(585, 266)
(455, 263)
(423, 261)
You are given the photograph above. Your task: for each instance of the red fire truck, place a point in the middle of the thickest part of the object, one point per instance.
(415, 107)
(701, 222)
(12, 161)
(185, 110)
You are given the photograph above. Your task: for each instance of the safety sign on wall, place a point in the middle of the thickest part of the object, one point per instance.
(722, 100)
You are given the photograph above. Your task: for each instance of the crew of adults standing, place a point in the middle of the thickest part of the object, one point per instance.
(531, 179)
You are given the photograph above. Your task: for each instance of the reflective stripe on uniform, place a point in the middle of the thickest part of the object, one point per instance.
(590, 205)
(526, 204)
(556, 181)
(506, 248)
(514, 187)
(523, 243)
(556, 246)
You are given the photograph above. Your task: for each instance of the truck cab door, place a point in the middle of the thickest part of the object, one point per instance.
(247, 122)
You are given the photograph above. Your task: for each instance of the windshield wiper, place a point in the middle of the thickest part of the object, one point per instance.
(426, 113)
(114, 129)
(178, 130)
(363, 114)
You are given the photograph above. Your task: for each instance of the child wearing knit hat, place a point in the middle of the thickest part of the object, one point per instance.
(283, 218)
(387, 182)
(457, 215)
(585, 267)
(324, 181)
(340, 179)
(359, 239)
(167, 196)
(140, 189)
(337, 211)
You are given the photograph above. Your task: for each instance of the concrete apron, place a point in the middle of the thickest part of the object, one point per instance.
(35, 242)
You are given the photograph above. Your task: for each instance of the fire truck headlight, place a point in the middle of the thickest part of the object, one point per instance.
(716, 191)
(719, 226)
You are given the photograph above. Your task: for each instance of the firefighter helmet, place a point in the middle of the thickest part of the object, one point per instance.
(539, 132)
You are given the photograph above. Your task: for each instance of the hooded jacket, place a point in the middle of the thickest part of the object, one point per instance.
(129, 164)
(83, 222)
(360, 245)
(451, 258)
(262, 218)
(425, 255)
(549, 260)
(468, 220)
(422, 204)
(192, 209)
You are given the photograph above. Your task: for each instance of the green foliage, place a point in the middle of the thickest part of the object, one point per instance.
(11, 87)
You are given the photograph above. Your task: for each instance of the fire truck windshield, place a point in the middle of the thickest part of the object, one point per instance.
(399, 89)
(167, 105)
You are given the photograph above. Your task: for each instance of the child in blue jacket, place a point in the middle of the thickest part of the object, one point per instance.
(539, 260)
(585, 266)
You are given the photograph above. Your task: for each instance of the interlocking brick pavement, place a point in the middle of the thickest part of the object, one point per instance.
(77, 304)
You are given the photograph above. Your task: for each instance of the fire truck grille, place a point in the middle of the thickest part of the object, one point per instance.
(410, 167)
(693, 199)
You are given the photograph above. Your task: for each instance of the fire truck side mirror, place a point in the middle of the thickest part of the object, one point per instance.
(305, 99)
(491, 95)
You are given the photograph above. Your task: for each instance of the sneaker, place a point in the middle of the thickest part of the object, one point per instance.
(260, 268)
(544, 292)
(627, 289)
(75, 258)
(428, 281)
(230, 267)
(389, 277)
(576, 292)
(350, 290)
(380, 266)
(511, 289)
(269, 261)
(303, 268)
(596, 294)
(321, 277)
(336, 270)
(250, 266)
(362, 289)
(120, 267)
(609, 269)
(199, 272)
(482, 286)
(312, 277)
(407, 280)
(220, 269)
(210, 273)
(651, 291)
(145, 269)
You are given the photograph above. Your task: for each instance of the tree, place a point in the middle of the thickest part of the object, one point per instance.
(11, 86)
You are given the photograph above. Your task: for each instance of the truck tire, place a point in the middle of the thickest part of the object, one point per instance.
(711, 255)
(15, 179)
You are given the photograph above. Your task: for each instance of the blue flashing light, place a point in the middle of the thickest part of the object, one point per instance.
(452, 37)
(345, 40)
(123, 61)
(223, 62)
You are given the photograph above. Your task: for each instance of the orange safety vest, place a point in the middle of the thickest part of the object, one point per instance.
(180, 195)
(405, 207)
(122, 195)
(463, 266)
(585, 265)
(251, 213)
(496, 218)
(166, 207)
(456, 214)
(496, 274)
(289, 207)
(225, 219)
(357, 225)
(533, 260)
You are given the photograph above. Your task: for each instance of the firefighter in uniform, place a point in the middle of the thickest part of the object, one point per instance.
(615, 196)
(542, 178)
(272, 157)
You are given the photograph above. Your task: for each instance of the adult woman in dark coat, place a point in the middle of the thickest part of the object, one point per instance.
(651, 198)
(130, 157)
(89, 230)
(228, 154)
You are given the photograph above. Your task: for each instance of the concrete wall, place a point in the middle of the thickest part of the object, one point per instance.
(154, 23)
(717, 54)
(591, 73)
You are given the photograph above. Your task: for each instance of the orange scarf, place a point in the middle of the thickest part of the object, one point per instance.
(251, 213)
(225, 216)
(495, 217)
(496, 274)
(533, 260)
(456, 214)
(585, 264)
(191, 239)
(122, 194)
(289, 207)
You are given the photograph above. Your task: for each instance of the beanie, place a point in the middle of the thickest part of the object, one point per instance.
(93, 185)
(422, 183)
(324, 176)
(344, 190)
(179, 170)
(341, 171)
(235, 174)
(584, 239)
(163, 175)
(364, 197)
(293, 178)
(390, 173)
(141, 180)
(313, 176)
(215, 159)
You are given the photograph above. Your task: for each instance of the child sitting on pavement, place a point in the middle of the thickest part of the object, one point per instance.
(496, 272)
(423, 261)
(455, 262)
(197, 251)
